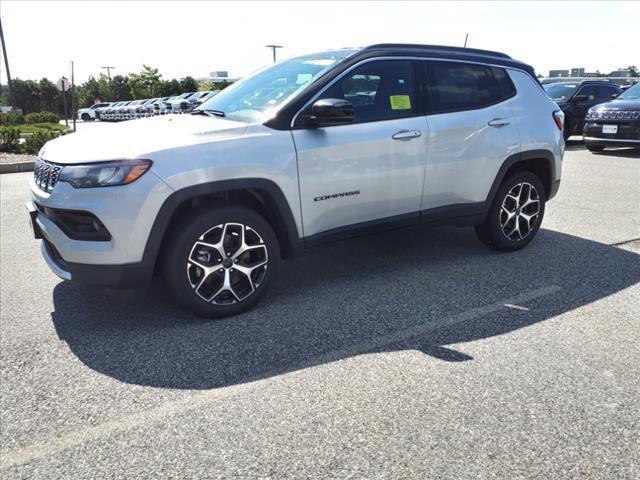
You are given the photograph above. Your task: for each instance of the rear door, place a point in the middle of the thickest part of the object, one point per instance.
(472, 131)
(371, 171)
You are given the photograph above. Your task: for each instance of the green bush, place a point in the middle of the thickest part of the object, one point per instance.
(36, 140)
(43, 126)
(42, 117)
(11, 118)
(9, 139)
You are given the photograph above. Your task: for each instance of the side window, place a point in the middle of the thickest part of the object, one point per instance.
(382, 90)
(589, 91)
(460, 86)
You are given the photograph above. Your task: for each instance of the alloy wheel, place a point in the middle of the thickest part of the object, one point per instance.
(520, 211)
(227, 263)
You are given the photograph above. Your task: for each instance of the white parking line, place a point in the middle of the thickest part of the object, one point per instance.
(191, 402)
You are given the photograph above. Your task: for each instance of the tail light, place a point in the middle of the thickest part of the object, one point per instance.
(558, 117)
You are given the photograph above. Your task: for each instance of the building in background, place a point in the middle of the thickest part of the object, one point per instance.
(221, 76)
(558, 73)
(577, 72)
(623, 72)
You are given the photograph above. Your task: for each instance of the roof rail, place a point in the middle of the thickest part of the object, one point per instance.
(440, 48)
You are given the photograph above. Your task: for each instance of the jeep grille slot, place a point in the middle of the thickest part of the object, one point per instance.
(46, 174)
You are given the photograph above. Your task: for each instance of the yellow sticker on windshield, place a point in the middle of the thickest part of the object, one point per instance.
(400, 102)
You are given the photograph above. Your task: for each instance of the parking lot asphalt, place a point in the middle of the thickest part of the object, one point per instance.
(410, 354)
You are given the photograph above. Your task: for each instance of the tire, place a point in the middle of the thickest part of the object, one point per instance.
(501, 232)
(595, 148)
(85, 117)
(209, 281)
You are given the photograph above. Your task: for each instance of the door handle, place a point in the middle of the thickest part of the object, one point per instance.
(499, 122)
(406, 134)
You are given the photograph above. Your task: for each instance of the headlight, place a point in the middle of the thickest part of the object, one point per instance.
(104, 174)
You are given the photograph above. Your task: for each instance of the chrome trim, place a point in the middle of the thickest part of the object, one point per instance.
(621, 140)
(63, 274)
(375, 59)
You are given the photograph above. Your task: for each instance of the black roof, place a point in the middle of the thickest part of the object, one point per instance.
(437, 48)
(443, 51)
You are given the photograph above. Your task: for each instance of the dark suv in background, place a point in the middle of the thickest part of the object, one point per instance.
(576, 98)
(615, 123)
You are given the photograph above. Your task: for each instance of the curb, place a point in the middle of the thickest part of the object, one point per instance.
(16, 167)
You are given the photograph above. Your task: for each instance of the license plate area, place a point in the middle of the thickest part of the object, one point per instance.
(610, 129)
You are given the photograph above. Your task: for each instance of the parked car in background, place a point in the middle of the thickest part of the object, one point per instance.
(173, 104)
(90, 113)
(189, 103)
(201, 100)
(152, 108)
(615, 123)
(283, 161)
(106, 114)
(576, 98)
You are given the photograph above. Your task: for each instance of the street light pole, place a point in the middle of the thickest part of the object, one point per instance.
(273, 49)
(108, 69)
(12, 94)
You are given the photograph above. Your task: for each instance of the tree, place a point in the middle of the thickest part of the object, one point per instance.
(27, 95)
(120, 88)
(170, 88)
(188, 84)
(146, 84)
(94, 88)
(633, 71)
(49, 94)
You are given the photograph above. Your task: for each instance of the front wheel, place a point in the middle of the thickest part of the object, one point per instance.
(220, 260)
(85, 117)
(516, 213)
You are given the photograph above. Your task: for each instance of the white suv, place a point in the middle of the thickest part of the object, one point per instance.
(309, 150)
(91, 113)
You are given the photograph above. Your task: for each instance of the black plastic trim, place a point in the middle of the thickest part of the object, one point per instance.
(68, 220)
(161, 224)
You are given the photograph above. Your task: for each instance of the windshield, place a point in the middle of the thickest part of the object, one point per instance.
(257, 97)
(632, 93)
(560, 91)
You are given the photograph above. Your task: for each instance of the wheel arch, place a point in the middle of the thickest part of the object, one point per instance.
(539, 162)
(261, 195)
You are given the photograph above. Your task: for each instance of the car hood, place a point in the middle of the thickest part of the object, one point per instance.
(139, 138)
(622, 104)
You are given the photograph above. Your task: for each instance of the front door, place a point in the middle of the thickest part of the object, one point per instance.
(364, 174)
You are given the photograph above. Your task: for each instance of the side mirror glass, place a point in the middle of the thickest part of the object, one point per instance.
(330, 111)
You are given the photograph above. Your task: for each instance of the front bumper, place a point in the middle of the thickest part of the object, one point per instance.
(127, 212)
(627, 135)
(133, 275)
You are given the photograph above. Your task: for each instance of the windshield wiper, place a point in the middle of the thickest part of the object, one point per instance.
(205, 111)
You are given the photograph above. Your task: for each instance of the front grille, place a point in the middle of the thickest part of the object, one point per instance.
(614, 115)
(46, 174)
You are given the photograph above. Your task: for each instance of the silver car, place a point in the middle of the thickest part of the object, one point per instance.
(307, 151)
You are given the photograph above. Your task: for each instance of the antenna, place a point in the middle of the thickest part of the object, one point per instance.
(466, 37)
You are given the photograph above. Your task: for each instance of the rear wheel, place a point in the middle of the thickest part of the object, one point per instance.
(516, 213)
(219, 261)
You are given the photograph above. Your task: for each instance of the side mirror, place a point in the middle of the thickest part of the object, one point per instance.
(580, 98)
(330, 111)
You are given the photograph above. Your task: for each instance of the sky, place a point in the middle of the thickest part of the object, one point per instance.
(195, 38)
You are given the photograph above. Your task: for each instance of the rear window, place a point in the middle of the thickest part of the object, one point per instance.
(461, 86)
